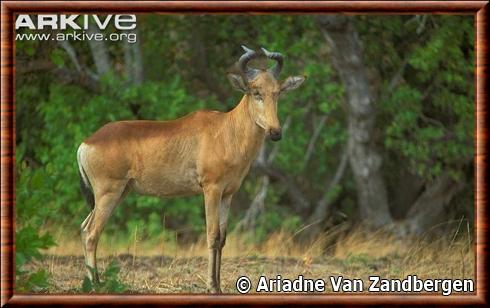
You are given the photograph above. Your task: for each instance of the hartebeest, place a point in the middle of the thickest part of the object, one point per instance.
(206, 152)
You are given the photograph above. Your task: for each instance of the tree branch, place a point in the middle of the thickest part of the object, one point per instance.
(258, 203)
(74, 59)
(314, 138)
(323, 205)
(395, 80)
(72, 77)
(300, 202)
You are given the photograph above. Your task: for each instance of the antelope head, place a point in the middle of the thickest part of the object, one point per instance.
(263, 88)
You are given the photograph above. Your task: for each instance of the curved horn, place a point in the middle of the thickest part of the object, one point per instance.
(279, 58)
(243, 61)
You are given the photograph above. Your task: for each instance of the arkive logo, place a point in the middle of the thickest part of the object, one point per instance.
(75, 22)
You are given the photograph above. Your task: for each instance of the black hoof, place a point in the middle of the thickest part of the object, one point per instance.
(213, 290)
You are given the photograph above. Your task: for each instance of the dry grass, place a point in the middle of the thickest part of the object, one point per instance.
(159, 267)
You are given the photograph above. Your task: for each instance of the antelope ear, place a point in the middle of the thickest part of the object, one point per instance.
(292, 82)
(237, 82)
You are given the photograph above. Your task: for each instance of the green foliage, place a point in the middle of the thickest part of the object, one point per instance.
(30, 217)
(109, 281)
(428, 117)
(27, 247)
(28, 243)
(37, 281)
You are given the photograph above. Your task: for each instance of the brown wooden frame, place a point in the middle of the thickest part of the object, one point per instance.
(8, 8)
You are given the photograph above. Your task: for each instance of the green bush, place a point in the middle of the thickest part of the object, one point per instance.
(109, 281)
(27, 245)
(32, 210)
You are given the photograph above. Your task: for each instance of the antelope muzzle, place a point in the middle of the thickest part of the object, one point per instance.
(275, 134)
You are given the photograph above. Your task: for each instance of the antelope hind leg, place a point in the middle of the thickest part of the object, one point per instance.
(82, 233)
(94, 224)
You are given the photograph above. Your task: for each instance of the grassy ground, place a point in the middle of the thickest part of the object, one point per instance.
(163, 268)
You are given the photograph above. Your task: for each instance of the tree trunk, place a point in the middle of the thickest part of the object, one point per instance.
(100, 54)
(365, 160)
(133, 61)
(200, 60)
(428, 210)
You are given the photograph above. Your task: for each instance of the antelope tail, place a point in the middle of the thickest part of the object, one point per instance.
(85, 186)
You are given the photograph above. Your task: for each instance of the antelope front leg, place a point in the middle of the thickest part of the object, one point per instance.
(212, 199)
(223, 222)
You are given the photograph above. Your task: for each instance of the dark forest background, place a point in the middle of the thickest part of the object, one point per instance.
(380, 135)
